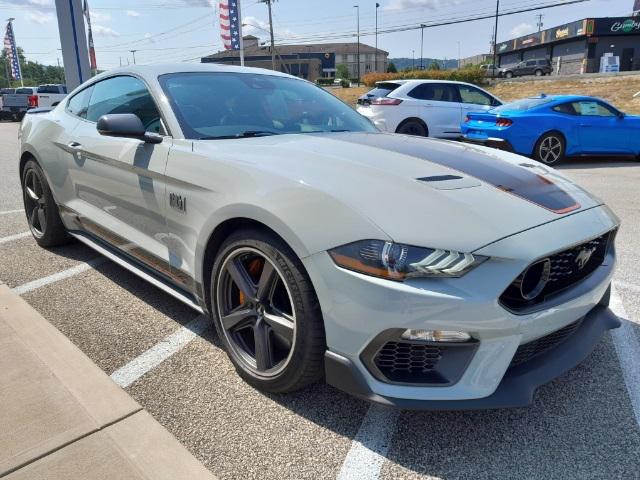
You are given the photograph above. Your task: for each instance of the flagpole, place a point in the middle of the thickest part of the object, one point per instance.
(241, 39)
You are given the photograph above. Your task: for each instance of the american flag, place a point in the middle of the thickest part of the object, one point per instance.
(92, 50)
(12, 53)
(230, 24)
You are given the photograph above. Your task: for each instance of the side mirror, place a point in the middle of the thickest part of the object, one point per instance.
(621, 115)
(126, 125)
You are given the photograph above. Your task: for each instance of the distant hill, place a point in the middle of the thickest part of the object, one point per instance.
(402, 63)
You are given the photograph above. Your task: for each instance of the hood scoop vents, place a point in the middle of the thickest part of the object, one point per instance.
(449, 182)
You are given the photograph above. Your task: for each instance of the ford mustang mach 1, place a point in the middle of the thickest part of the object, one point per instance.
(409, 271)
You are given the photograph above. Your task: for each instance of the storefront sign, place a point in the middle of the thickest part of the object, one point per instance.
(617, 26)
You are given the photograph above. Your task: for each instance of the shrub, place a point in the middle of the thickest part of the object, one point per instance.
(469, 75)
(345, 83)
(325, 81)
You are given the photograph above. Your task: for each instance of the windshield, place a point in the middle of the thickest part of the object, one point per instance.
(235, 105)
(525, 104)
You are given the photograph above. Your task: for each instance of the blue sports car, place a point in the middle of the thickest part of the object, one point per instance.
(550, 128)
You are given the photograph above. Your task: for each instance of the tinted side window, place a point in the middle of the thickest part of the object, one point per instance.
(475, 96)
(48, 89)
(437, 92)
(79, 103)
(566, 108)
(531, 63)
(124, 95)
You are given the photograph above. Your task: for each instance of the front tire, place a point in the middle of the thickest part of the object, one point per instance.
(539, 73)
(266, 312)
(550, 148)
(42, 212)
(509, 75)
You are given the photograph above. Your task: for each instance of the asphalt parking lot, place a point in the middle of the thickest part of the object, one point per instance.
(585, 424)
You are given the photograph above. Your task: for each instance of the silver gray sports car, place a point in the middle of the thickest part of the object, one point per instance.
(409, 271)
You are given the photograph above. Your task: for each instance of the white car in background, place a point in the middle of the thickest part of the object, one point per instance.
(426, 108)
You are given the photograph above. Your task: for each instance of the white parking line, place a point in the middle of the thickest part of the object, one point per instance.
(56, 277)
(157, 354)
(17, 236)
(370, 445)
(7, 212)
(627, 286)
(627, 347)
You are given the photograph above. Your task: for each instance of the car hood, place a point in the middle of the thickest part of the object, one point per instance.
(419, 191)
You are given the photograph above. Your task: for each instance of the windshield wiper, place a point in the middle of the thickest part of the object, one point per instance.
(246, 134)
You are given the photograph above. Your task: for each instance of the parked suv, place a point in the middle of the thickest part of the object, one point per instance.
(528, 67)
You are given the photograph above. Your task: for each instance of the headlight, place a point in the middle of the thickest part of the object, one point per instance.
(394, 261)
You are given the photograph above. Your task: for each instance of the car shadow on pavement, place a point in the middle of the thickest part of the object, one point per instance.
(588, 163)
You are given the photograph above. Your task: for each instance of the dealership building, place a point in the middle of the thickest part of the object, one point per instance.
(307, 61)
(579, 47)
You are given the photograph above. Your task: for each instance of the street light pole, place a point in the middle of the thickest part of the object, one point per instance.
(413, 59)
(422, 27)
(458, 54)
(495, 40)
(377, 6)
(134, 55)
(273, 46)
(357, 7)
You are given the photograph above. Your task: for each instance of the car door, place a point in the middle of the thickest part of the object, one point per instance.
(473, 99)
(439, 106)
(120, 191)
(601, 128)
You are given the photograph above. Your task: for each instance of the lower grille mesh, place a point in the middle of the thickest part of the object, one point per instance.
(537, 347)
(407, 362)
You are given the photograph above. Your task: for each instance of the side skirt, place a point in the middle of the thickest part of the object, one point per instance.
(140, 272)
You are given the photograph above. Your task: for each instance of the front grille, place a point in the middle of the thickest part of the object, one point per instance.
(537, 347)
(566, 269)
(408, 362)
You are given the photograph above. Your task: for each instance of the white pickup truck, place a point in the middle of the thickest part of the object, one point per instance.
(48, 96)
(15, 104)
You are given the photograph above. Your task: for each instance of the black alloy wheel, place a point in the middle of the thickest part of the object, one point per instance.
(413, 127)
(267, 314)
(41, 210)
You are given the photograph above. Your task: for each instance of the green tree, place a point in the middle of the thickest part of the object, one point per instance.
(391, 68)
(33, 73)
(342, 71)
(434, 65)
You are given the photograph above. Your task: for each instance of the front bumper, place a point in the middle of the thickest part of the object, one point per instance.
(518, 385)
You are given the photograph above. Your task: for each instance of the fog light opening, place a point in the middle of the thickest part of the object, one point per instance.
(445, 336)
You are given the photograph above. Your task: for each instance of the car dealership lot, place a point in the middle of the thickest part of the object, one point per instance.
(582, 425)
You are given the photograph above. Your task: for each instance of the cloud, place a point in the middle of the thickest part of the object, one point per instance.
(103, 31)
(522, 29)
(427, 4)
(132, 13)
(39, 17)
(254, 26)
(99, 16)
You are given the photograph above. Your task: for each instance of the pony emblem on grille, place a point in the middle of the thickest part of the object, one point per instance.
(584, 256)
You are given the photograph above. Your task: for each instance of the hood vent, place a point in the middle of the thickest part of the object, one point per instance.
(439, 178)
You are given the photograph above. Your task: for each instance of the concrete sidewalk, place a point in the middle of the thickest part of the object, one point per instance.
(61, 417)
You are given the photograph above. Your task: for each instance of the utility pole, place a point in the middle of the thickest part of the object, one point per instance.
(413, 59)
(134, 55)
(357, 7)
(540, 16)
(377, 7)
(422, 27)
(120, 61)
(273, 45)
(495, 40)
(459, 66)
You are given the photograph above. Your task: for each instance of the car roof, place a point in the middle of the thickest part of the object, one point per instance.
(416, 81)
(156, 70)
(566, 98)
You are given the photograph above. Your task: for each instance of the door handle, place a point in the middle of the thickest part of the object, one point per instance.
(75, 146)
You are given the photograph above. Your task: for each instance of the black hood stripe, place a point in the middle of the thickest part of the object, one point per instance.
(510, 178)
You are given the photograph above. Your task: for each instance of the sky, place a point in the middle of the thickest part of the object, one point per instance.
(184, 30)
